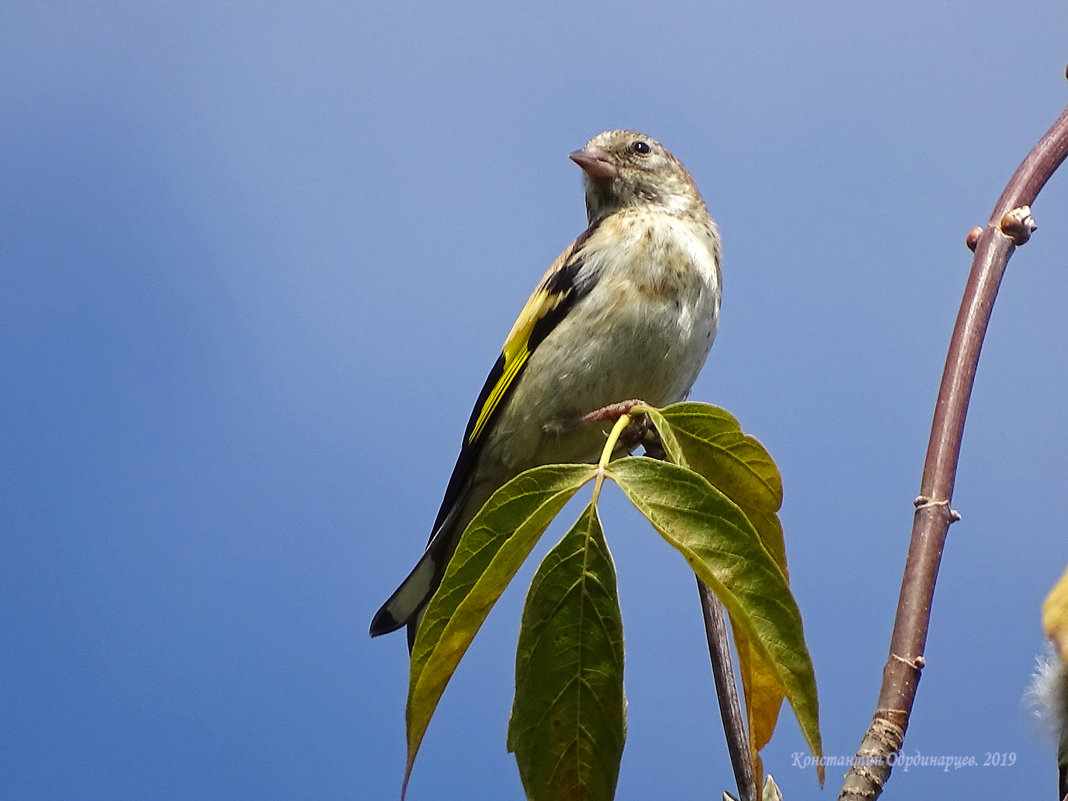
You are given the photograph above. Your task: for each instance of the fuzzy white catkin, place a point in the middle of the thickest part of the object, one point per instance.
(1048, 696)
(1048, 692)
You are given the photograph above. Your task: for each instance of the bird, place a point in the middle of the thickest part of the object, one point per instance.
(629, 310)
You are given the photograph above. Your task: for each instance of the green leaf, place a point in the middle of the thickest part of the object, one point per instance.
(769, 527)
(712, 443)
(568, 720)
(666, 433)
(491, 550)
(709, 441)
(725, 551)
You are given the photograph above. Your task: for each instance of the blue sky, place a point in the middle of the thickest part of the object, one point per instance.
(258, 258)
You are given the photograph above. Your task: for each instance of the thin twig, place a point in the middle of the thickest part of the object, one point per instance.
(1010, 225)
(730, 707)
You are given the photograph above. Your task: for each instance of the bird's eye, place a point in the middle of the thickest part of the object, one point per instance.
(641, 147)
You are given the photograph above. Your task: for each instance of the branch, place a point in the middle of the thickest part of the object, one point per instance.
(1010, 225)
(730, 707)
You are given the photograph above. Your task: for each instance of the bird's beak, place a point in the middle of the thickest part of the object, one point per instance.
(595, 162)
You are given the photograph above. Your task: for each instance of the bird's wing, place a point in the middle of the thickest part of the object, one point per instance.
(560, 289)
(557, 293)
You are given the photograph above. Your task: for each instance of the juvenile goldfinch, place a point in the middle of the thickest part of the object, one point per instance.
(628, 310)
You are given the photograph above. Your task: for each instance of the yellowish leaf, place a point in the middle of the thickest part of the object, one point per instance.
(1055, 615)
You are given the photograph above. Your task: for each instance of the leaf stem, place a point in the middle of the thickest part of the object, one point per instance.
(606, 454)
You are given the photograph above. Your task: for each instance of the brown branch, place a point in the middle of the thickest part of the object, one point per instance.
(1010, 225)
(730, 707)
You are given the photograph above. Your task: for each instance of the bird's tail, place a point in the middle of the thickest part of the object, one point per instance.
(405, 606)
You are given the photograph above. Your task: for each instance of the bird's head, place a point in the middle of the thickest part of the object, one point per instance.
(626, 169)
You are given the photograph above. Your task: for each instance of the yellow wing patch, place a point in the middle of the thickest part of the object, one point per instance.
(517, 347)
